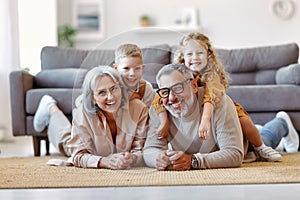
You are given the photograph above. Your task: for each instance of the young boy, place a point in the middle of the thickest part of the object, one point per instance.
(129, 63)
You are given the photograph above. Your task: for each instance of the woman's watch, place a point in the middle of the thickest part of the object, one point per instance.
(195, 163)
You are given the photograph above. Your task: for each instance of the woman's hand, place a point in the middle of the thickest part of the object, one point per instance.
(117, 161)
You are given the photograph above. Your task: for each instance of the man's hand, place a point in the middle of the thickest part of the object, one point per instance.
(179, 160)
(162, 161)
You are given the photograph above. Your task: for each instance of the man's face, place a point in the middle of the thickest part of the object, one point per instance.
(178, 103)
(131, 70)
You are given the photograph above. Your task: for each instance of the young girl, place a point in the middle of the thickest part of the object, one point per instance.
(196, 52)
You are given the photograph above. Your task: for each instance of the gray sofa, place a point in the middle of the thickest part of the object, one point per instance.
(264, 80)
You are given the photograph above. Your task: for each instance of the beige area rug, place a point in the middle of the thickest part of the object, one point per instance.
(34, 173)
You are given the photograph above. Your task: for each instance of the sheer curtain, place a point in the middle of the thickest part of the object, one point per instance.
(25, 27)
(9, 58)
(37, 28)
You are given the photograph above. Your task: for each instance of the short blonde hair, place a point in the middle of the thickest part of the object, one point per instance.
(127, 50)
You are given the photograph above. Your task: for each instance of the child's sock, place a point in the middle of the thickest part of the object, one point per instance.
(260, 147)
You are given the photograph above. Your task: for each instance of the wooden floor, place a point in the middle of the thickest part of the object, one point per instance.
(22, 146)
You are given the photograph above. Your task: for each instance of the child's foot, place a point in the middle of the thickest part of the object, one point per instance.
(268, 154)
(291, 141)
(42, 115)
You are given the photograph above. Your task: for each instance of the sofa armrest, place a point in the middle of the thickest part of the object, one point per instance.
(288, 75)
(20, 82)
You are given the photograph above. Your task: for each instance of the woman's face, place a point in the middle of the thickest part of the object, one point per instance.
(107, 94)
(195, 56)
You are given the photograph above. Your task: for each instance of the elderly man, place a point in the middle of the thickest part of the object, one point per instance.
(183, 150)
(183, 100)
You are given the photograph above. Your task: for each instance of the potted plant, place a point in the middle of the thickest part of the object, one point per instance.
(66, 35)
(145, 20)
(26, 69)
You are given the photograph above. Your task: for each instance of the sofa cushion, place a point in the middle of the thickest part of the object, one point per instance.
(65, 98)
(263, 77)
(157, 54)
(153, 54)
(266, 98)
(289, 75)
(60, 78)
(98, 57)
(258, 58)
(154, 58)
(150, 72)
(60, 57)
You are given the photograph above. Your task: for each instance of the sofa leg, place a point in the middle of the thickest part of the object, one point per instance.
(47, 146)
(37, 145)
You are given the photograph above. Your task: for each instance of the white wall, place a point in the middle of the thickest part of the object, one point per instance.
(37, 28)
(230, 23)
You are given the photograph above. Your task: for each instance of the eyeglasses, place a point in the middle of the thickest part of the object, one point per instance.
(177, 89)
(104, 93)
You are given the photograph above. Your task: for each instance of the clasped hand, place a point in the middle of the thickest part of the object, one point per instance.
(174, 160)
(117, 161)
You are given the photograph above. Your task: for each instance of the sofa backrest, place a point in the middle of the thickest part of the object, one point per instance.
(66, 67)
(257, 65)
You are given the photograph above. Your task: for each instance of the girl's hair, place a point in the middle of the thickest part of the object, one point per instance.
(127, 50)
(90, 82)
(213, 63)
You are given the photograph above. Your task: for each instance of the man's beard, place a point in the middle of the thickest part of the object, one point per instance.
(185, 105)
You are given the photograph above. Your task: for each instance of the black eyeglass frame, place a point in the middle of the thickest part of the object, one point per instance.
(159, 91)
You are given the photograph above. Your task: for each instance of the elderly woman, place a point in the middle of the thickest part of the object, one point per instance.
(108, 131)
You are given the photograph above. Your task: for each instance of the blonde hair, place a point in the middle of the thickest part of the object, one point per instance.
(213, 63)
(127, 50)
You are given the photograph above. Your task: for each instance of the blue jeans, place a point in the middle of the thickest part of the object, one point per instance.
(273, 131)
